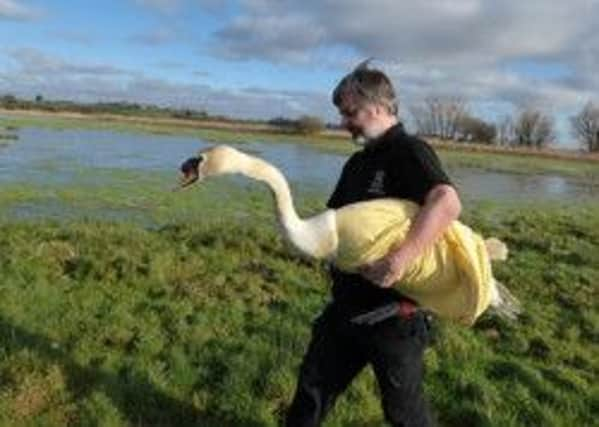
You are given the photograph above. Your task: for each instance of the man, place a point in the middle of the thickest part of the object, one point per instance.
(368, 322)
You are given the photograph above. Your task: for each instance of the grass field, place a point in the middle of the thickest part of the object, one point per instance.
(123, 303)
(142, 307)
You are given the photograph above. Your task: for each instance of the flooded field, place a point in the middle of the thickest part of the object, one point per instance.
(50, 157)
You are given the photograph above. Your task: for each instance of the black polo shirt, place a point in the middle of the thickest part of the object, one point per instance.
(398, 165)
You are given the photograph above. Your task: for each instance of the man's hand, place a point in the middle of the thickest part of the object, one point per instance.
(386, 271)
(441, 207)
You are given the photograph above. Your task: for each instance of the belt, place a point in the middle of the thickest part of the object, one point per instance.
(405, 308)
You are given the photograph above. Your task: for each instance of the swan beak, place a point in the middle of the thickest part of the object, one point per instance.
(189, 171)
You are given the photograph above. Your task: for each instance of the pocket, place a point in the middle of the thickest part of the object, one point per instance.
(421, 328)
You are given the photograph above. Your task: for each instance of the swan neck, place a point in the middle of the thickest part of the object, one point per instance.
(263, 171)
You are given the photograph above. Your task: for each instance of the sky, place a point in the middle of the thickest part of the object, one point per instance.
(268, 58)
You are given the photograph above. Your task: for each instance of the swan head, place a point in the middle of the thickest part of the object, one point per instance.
(217, 160)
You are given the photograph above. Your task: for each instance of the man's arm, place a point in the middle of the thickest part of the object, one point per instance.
(441, 207)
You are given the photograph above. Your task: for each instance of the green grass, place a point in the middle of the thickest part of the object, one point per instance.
(580, 170)
(187, 309)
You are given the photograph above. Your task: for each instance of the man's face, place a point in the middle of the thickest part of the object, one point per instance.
(360, 119)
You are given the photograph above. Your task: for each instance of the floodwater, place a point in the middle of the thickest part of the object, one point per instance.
(59, 157)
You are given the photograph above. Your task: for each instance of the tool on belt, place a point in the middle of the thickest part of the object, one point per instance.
(405, 308)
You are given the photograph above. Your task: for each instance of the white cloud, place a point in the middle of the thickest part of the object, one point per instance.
(479, 49)
(165, 6)
(214, 6)
(172, 6)
(35, 72)
(275, 38)
(169, 65)
(434, 31)
(35, 63)
(13, 10)
(155, 37)
(76, 37)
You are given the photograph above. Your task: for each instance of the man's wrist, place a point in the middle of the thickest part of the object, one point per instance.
(403, 256)
(399, 254)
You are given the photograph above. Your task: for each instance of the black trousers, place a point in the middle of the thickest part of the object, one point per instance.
(340, 349)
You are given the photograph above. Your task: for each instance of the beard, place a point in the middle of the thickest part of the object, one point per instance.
(363, 136)
(360, 140)
(357, 136)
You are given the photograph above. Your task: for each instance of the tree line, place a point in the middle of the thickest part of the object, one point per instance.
(306, 124)
(11, 102)
(444, 117)
(449, 118)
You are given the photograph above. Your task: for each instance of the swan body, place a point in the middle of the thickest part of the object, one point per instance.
(452, 277)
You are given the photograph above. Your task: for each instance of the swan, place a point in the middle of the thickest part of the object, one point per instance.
(452, 278)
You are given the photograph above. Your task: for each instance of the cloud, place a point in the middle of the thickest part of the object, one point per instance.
(13, 10)
(214, 6)
(435, 31)
(169, 65)
(35, 72)
(201, 73)
(31, 62)
(164, 6)
(171, 7)
(275, 38)
(498, 55)
(75, 37)
(156, 37)
(493, 53)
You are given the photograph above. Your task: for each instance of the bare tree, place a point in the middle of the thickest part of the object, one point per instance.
(422, 120)
(506, 131)
(439, 116)
(534, 129)
(585, 127)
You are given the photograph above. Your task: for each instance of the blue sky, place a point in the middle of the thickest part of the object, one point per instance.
(264, 58)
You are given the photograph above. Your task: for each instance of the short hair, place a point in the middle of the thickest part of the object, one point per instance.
(366, 84)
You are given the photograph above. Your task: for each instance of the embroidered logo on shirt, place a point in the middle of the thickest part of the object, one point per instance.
(377, 185)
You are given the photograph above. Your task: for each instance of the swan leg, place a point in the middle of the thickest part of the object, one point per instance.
(503, 302)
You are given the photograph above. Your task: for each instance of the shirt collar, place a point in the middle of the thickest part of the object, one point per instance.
(385, 139)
